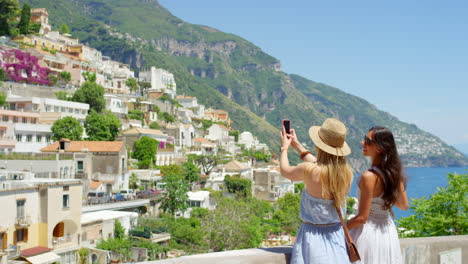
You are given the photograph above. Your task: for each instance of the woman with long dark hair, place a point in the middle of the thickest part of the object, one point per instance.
(380, 187)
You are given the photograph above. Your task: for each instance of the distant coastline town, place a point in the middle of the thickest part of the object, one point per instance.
(66, 180)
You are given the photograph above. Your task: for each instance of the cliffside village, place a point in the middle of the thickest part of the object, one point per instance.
(58, 197)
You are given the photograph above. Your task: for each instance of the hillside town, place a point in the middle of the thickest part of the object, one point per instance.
(79, 167)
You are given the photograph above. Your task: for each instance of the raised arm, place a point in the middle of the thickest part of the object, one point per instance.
(301, 150)
(366, 186)
(294, 173)
(402, 200)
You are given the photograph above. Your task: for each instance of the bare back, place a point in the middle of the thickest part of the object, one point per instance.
(313, 182)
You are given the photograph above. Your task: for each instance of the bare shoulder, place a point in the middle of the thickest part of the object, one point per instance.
(368, 177)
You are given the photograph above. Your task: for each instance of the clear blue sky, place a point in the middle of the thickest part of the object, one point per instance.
(409, 58)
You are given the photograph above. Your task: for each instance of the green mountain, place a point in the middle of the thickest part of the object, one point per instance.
(225, 71)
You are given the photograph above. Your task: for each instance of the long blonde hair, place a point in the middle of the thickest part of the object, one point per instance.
(336, 176)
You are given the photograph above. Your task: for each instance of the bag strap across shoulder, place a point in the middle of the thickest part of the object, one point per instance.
(345, 228)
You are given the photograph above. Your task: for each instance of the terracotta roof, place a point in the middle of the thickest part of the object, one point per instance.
(91, 146)
(235, 165)
(34, 251)
(202, 140)
(137, 130)
(94, 184)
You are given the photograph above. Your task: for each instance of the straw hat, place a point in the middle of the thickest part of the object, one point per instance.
(330, 137)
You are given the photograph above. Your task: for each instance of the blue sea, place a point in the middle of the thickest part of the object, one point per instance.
(422, 182)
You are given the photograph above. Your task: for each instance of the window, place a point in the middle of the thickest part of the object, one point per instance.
(15, 119)
(79, 166)
(20, 235)
(48, 108)
(56, 109)
(3, 240)
(39, 139)
(33, 120)
(28, 138)
(25, 120)
(66, 201)
(5, 118)
(20, 208)
(47, 138)
(19, 138)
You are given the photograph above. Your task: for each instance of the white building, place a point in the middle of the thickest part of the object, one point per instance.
(161, 80)
(116, 104)
(115, 76)
(269, 185)
(40, 220)
(50, 110)
(100, 225)
(191, 103)
(250, 142)
(218, 132)
(199, 199)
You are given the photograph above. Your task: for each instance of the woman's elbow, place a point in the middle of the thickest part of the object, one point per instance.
(360, 219)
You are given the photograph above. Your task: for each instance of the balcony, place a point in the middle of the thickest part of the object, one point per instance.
(62, 241)
(23, 221)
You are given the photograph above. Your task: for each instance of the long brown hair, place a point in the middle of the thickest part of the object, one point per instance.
(389, 165)
(336, 176)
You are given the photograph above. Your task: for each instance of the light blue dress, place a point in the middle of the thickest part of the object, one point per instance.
(323, 243)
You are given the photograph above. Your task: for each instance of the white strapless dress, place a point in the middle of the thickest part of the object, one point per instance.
(377, 240)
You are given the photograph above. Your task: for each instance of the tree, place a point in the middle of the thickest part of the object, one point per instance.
(175, 198)
(91, 93)
(206, 162)
(64, 29)
(167, 117)
(154, 125)
(102, 126)
(443, 213)
(287, 214)
(67, 127)
(83, 256)
(89, 76)
(62, 95)
(145, 152)
(119, 230)
(133, 181)
(3, 75)
(132, 84)
(65, 77)
(3, 97)
(239, 186)
(23, 24)
(190, 172)
(8, 13)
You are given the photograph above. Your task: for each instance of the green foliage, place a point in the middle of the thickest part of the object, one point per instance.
(83, 255)
(133, 181)
(136, 114)
(23, 25)
(154, 125)
(287, 214)
(64, 29)
(122, 247)
(3, 97)
(132, 84)
(8, 13)
(119, 230)
(166, 117)
(102, 126)
(92, 94)
(234, 133)
(234, 224)
(190, 172)
(298, 187)
(350, 202)
(53, 79)
(67, 127)
(89, 76)
(443, 213)
(199, 212)
(3, 75)
(65, 76)
(240, 186)
(257, 155)
(175, 198)
(206, 162)
(62, 95)
(145, 152)
(34, 28)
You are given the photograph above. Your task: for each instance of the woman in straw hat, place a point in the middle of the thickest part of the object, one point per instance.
(380, 187)
(327, 179)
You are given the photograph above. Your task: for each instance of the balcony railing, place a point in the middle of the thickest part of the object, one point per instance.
(60, 241)
(23, 221)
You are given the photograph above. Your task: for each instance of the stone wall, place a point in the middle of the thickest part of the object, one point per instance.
(428, 250)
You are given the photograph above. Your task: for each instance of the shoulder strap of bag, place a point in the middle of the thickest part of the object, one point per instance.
(349, 240)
